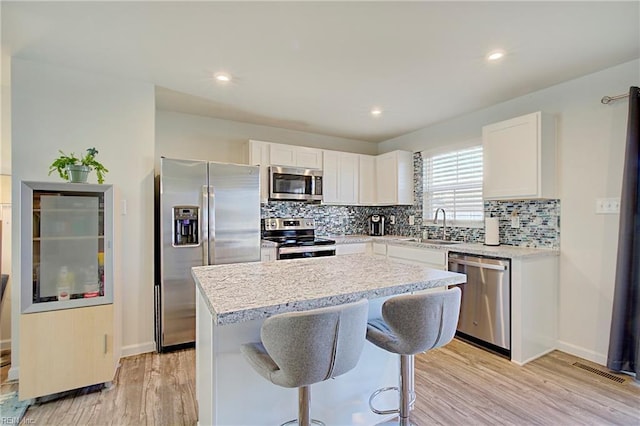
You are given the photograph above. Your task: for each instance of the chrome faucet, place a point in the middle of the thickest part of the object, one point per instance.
(444, 222)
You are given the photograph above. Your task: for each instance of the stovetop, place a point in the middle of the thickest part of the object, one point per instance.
(293, 242)
(292, 232)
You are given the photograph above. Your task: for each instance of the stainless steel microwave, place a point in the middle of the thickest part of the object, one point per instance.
(292, 183)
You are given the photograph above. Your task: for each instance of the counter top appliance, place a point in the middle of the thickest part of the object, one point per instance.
(206, 214)
(485, 310)
(295, 238)
(376, 225)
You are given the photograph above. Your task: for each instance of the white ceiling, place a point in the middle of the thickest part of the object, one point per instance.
(321, 66)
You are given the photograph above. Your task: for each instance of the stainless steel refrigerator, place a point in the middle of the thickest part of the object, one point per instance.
(206, 214)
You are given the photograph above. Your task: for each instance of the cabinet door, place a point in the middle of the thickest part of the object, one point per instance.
(295, 156)
(308, 158)
(349, 178)
(282, 155)
(512, 158)
(340, 178)
(66, 349)
(259, 156)
(367, 180)
(386, 179)
(330, 164)
(268, 254)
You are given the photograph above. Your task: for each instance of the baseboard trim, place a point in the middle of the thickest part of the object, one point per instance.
(140, 348)
(582, 353)
(5, 345)
(13, 373)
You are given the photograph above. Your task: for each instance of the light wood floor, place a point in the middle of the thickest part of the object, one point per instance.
(456, 385)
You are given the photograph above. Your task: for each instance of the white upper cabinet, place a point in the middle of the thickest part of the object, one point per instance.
(394, 178)
(259, 156)
(367, 184)
(295, 156)
(340, 178)
(520, 158)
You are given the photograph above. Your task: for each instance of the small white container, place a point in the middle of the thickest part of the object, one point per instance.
(491, 231)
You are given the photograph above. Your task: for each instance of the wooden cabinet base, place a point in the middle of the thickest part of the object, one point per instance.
(66, 349)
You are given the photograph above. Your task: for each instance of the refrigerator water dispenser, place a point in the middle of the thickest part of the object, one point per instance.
(185, 226)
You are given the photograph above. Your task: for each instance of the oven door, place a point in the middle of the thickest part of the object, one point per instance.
(289, 183)
(306, 251)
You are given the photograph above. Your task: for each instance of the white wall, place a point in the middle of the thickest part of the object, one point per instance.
(204, 138)
(57, 108)
(5, 195)
(591, 139)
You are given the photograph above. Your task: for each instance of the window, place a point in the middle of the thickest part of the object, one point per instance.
(453, 181)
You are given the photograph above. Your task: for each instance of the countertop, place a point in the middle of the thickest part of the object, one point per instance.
(510, 252)
(247, 291)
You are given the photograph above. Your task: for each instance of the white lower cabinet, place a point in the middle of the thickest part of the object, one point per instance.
(534, 307)
(436, 259)
(268, 254)
(379, 249)
(353, 248)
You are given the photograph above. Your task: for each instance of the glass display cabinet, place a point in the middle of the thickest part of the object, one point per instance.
(67, 240)
(68, 333)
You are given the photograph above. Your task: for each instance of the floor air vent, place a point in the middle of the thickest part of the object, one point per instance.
(599, 373)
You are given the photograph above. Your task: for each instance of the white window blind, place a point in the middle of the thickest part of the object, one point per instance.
(453, 181)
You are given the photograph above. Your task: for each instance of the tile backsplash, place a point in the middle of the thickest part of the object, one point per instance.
(539, 220)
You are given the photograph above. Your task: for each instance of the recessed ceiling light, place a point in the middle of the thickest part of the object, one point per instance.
(495, 55)
(376, 112)
(222, 77)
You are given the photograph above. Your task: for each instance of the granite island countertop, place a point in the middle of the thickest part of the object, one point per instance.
(247, 291)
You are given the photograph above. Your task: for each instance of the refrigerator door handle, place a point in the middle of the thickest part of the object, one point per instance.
(212, 226)
(204, 228)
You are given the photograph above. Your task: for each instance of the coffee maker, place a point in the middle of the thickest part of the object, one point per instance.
(376, 225)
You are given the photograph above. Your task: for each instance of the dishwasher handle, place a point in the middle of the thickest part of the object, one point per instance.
(478, 264)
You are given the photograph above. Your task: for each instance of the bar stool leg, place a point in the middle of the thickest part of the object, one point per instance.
(304, 409)
(406, 373)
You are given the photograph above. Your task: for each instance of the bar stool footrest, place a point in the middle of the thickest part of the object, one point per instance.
(393, 411)
(295, 422)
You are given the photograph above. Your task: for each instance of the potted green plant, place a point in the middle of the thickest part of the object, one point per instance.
(74, 169)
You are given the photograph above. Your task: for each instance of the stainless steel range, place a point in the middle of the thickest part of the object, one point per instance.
(295, 238)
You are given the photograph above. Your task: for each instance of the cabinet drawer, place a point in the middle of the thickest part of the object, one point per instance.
(434, 257)
(352, 248)
(380, 249)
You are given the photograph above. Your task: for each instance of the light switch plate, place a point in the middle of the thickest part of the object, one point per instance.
(412, 219)
(607, 206)
(515, 222)
(392, 220)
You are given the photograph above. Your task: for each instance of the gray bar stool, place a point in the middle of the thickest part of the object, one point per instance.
(411, 324)
(299, 349)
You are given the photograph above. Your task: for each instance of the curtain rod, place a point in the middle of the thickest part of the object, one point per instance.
(608, 99)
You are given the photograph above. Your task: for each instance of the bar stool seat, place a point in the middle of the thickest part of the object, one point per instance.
(411, 324)
(298, 349)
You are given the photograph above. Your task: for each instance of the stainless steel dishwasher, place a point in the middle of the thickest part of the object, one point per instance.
(485, 310)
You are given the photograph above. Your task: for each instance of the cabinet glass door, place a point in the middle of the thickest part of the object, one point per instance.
(66, 233)
(68, 244)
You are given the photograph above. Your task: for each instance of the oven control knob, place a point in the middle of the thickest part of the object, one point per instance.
(309, 223)
(273, 223)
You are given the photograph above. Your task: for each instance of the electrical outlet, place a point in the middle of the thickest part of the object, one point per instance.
(607, 205)
(412, 219)
(515, 222)
(392, 220)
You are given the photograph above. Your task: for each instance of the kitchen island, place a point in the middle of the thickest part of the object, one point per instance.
(233, 301)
